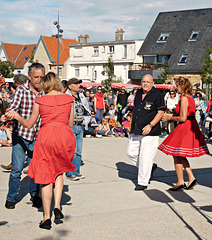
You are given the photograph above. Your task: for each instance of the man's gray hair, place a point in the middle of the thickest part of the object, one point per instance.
(20, 79)
(36, 66)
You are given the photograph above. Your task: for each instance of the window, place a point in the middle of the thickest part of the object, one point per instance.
(111, 49)
(25, 58)
(24, 48)
(193, 36)
(163, 58)
(95, 74)
(150, 59)
(125, 51)
(163, 37)
(96, 51)
(77, 72)
(183, 59)
(103, 49)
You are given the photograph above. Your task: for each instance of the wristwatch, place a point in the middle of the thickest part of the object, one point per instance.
(150, 125)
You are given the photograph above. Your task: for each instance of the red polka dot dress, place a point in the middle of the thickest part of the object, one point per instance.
(186, 139)
(55, 144)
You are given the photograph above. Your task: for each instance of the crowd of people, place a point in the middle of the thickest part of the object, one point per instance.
(46, 127)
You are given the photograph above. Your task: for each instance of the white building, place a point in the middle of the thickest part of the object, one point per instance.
(86, 59)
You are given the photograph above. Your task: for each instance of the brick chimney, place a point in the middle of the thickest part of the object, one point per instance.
(120, 34)
(83, 39)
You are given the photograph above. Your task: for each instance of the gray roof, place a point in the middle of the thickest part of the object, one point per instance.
(180, 25)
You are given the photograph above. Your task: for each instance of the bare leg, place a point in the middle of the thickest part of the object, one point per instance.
(58, 189)
(188, 170)
(47, 198)
(179, 170)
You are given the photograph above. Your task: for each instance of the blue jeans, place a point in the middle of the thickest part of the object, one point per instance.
(103, 134)
(20, 146)
(99, 114)
(78, 133)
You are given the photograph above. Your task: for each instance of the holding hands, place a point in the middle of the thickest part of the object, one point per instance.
(166, 117)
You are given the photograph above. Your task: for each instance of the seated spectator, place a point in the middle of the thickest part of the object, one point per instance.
(93, 124)
(104, 128)
(118, 130)
(5, 136)
(127, 125)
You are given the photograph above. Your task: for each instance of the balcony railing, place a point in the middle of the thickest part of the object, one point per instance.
(147, 66)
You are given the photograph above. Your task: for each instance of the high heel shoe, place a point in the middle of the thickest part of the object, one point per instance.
(47, 224)
(177, 188)
(58, 214)
(191, 185)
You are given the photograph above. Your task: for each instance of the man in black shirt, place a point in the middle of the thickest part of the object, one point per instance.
(121, 103)
(145, 129)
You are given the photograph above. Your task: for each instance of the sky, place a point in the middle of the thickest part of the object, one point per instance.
(23, 21)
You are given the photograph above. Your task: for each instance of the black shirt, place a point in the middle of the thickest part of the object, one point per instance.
(122, 99)
(145, 111)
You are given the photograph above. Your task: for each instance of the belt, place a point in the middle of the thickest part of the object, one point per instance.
(190, 117)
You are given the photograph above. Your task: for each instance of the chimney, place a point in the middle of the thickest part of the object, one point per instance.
(83, 39)
(120, 34)
(60, 37)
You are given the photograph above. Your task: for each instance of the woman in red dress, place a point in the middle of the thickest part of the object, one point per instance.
(55, 144)
(186, 139)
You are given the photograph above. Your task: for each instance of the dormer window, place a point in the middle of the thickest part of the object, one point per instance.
(24, 48)
(25, 58)
(193, 36)
(183, 59)
(163, 37)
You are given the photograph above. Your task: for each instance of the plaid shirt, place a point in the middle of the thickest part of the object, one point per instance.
(22, 103)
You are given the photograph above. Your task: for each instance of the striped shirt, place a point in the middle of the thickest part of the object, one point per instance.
(22, 103)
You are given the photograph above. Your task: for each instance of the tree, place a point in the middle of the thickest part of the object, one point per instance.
(108, 70)
(6, 69)
(207, 67)
(165, 76)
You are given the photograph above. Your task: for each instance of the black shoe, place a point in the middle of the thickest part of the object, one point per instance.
(191, 186)
(10, 205)
(140, 187)
(36, 201)
(154, 167)
(58, 214)
(46, 224)
(177, 188)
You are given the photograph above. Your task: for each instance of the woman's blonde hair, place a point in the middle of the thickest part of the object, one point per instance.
(51, 82)
(185, 85)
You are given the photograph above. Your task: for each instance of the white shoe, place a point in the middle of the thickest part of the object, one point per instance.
(80, 176)
(98, 136)
(88, 136)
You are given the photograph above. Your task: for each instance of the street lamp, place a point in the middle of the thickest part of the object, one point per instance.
(59, 30)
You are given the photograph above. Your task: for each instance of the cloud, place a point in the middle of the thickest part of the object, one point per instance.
(26, 20)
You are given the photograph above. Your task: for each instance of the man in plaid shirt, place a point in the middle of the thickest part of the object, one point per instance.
(23, 138)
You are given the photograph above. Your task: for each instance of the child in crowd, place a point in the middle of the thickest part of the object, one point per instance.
(10, 127)
(127, 125)
(5, 135)
(118, 130)
(112, 116)
(104, 128)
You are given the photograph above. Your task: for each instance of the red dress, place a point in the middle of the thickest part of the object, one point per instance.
(186, 139)
(55, 144)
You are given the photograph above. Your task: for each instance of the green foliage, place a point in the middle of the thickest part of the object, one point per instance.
(32, 57)
(6, 69)
(207, 66)
(108, 70)
(165, 76)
